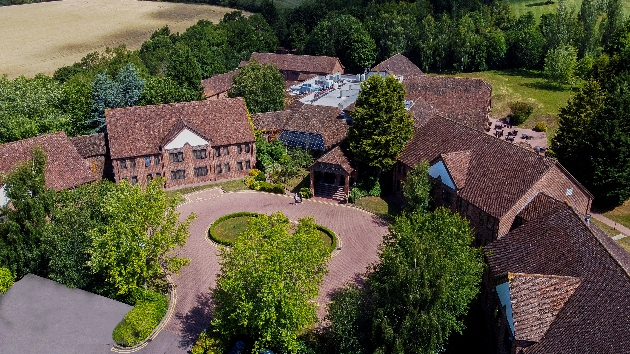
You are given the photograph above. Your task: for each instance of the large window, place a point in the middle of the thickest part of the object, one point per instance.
(218, 168)
(217, 151)
(132, 163)
(178, 174)
(239, 149)
(147, 161)
(247, 148)
(239, 165)
(226, 150)
(176, 156)
(201, 171)
(247, 165)
(200, 154)
(134, 180)
(156, 159)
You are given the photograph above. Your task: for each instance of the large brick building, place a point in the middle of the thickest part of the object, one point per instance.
(186, 143)
(486, 179)
(299, 67)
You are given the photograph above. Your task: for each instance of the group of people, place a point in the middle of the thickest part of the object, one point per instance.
(297, 197)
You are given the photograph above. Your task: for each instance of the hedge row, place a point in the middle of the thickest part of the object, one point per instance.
(331, 234)
(141, 320)
(211, 234)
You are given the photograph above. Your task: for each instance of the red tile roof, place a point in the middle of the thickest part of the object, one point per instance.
(595, 318)
(140, 131)
(498, 172)
(457, 164)
(65, 168)
(218, 83)
(399, 65)
(337, 156)
(301, 63)
(90, 145)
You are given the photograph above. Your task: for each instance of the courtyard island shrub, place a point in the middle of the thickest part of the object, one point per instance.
(142, 319)
(226, 229)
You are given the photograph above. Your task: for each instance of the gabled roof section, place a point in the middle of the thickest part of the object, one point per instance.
(90, 145)
(65, 168)
(536, 300)
(303, 63)
(178, 128)
(594, 319)
(457, 165)
(339, 157)
(140, 131)
(218, 83)
(499, 173)
(539, 206)
(461, 99)
(398, 65)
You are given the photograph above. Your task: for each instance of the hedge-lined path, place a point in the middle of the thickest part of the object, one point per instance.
(360, 234)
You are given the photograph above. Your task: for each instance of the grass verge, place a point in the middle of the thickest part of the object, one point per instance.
(610, 231)
(228, 186)
(141, 320)
(620, 214)
(383, 207)
(328, 237)
(226, 229)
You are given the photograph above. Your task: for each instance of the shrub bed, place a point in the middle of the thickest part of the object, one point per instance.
(141, 320)
(6, 279)
(327, 233)
(216, 233)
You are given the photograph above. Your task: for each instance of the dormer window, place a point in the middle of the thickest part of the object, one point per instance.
(176, 156)
(200, 154)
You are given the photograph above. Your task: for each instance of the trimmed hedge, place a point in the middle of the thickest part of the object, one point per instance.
(218, 240)
(330, 234)
(141, 320)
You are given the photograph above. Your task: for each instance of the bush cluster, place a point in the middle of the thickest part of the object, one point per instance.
(6, 280)
(540, 127)
(520, 111)
(306, 192)
(367, 187)
(257, 180)
(142, 320)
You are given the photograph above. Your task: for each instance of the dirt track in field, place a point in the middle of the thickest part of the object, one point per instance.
(42, 37)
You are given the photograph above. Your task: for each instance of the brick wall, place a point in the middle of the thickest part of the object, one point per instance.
(165, 167)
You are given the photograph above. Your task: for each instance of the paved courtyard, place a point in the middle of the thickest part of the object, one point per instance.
(359, 233)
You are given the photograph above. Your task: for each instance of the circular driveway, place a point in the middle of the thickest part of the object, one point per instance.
(360, 234)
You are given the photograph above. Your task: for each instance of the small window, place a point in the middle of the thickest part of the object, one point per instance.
(176, 156)
(201, 171)
(200, 154)
(178, 174)
(134, 180)
(247, 165)
(157, 174)
(217, 151)
(226, 151)
(149, 177)
(147, 161)
(239, 149)
(156, 159)
(247, 148)
(227, 167)
(239, 165)
(132, 163)
(123, 164)
(218, 169)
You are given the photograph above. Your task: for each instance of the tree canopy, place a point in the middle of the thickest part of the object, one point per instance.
(381, 126)
(268, 281)
(261, 85)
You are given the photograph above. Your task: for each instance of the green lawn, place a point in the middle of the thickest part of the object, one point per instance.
(539, 7)
(528, 86)
(620, 214)
(610, 231)
(380, 206)
(325, 238)
(228, 230)
(228, 186)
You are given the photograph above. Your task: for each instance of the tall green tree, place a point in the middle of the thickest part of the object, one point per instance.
(268, 281)
(561, 64)
(261, 85)
(135, 246)
(208, 44)
(525, 43)
(183, 68)
(156, 50)
(417, 188)
(381, 125)
(426, 43)
(24, 224)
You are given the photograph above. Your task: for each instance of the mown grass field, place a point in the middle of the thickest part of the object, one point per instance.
(539, 7)
(42, 37)
(528, 86)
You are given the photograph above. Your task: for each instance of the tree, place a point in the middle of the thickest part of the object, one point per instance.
(417, 188)
(261, 85)
(163, 89)
(123, 91)
(246, 35)
(268, 281)
(560, 65)
(525, 42)
(612, 23)
(381, 125)
(183, 68)
(134, 246)
(426, 43)
(25, 217)
(208, 44)
(418, 293)
(589, 14)
(156, 50)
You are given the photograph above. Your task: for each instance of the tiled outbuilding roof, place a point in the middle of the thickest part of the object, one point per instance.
(339, 157)
(498, 172)
(398, 65)
(464, 100)
(457, 164)
(90, 145)
(308, 118)
(218, 83)
(65, 168)
(140, 131)
(595, 318)
(300, 63)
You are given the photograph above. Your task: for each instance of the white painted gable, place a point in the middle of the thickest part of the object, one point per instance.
(4, 200)
(186, 137)
(439, 170)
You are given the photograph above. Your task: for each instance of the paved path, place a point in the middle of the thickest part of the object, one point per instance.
(360, 234)
(624, 230)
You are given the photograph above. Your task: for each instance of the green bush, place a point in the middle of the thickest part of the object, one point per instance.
(520, 111)
(306, 192)
(356, 193)
(207, 344)
(143, 318)
(6, 280)
(540, 127)
(213, 235)
(330, 234)
(267, 187)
